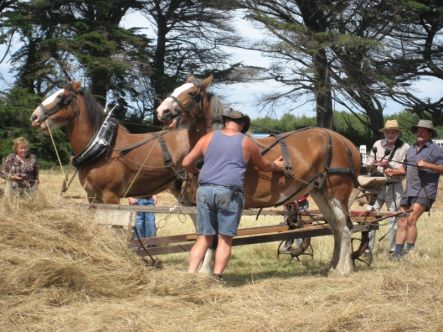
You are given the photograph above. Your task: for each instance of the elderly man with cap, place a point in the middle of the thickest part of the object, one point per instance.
(226, 154)
(423, 167)
(388, 153)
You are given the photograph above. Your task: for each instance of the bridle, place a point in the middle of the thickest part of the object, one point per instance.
(196, 99)
(64, 101)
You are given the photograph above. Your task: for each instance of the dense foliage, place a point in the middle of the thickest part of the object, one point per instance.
(356, 56)
(345, 123)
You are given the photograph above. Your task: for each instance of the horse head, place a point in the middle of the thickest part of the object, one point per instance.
(190, 103)
(56, 110)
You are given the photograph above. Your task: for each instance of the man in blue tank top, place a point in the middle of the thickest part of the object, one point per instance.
(226, 154)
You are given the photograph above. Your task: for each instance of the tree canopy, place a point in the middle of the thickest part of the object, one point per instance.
(349, 58)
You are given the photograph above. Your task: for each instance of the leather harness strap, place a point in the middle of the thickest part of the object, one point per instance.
(136, 145)
(339, 170)
(167, 158)
(288, 170)
(316, 181)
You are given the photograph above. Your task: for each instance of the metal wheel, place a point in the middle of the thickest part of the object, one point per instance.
(362, 253)
(290, 248)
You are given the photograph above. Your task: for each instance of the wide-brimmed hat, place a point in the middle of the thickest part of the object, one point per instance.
(425, 124)
(238, 116)
(390, 125)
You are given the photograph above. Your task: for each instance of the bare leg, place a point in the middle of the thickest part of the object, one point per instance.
(401, 229)
(198, 252)
(407, 226)
(417, 211)
(223, 253)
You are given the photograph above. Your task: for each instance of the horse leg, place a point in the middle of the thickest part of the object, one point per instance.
(207, 266)
(335, 214)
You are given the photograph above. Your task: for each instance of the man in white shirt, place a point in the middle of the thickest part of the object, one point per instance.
(388, 153)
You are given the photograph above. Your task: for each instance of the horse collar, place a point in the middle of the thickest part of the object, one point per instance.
(100, 143)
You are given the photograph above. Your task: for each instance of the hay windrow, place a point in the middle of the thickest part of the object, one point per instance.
(61, 271)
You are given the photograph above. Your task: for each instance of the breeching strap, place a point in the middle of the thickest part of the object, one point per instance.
(339, 170)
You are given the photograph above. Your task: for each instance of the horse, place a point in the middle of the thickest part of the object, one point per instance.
(113, 163)
(317, 161)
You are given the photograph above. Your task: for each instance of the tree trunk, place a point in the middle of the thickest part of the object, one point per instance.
(322, 90)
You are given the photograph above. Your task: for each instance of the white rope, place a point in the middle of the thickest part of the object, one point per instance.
(55, 148)
(139, 170)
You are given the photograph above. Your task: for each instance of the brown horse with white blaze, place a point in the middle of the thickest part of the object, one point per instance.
(112, 162)
(317, 160)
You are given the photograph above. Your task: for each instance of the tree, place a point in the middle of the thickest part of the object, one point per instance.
(329, 47)
(14, 112)
(361, 27)
(75, 39)
(299, 27)
(418, 54)
(189, 40)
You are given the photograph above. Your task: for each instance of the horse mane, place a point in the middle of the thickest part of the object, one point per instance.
(95, 110)
(217, 110)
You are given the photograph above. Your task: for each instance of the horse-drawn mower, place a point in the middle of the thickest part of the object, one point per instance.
(294, 234)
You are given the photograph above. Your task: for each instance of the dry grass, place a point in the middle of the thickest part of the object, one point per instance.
(62, 272)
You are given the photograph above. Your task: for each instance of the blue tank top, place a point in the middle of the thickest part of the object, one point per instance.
(223, 161)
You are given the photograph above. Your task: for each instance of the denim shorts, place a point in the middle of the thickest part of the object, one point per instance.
(219, 210)
(409, 200)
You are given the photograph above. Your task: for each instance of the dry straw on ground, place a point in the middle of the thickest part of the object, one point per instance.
(63, 272)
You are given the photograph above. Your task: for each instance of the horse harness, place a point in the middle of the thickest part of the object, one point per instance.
(195, 98)
(99, 144)
(317, 180)
(65, 100)
(103, 140)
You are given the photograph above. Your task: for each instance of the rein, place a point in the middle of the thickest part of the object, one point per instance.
(167, 159)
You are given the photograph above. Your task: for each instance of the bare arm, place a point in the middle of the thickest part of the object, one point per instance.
(395, 171)
(433, 167)
(188, 162)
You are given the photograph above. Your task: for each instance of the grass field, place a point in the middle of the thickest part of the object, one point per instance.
(63, 272)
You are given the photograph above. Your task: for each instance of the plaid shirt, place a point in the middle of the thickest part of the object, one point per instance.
(27, 169)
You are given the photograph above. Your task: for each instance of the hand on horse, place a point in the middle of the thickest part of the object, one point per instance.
(278, 164)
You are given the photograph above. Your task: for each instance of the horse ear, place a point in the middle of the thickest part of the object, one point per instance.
(77, 85)
(190, 79)
(207, 82)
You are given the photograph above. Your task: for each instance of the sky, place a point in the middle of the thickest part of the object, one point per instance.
(247, 97)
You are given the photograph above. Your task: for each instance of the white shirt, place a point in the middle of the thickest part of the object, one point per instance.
(395, 162)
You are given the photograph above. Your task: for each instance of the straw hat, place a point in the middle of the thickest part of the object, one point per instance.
(390, 125)
(425, 124)
(238, 116)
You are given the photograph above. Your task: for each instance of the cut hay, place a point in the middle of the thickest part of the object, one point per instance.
(63, 272)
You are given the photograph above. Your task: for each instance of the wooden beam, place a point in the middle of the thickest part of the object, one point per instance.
(247, 236)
